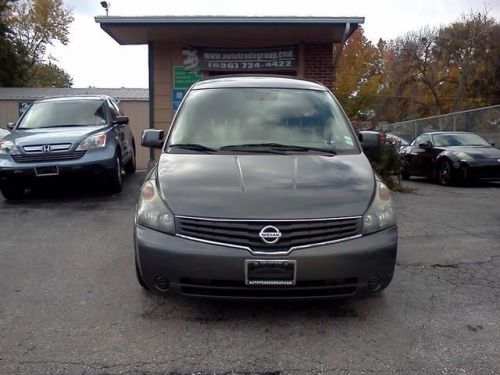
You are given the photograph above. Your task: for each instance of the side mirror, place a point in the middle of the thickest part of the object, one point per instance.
(425, 145)
(11, 125)
(153, 138)
(491, 142)
(121, 120)
(370, 140)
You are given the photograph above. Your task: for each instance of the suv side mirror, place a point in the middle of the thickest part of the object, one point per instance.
(425, 145)
(11, 125)
(370, 140)
(153, 138)
(491, 142)
(120, 120)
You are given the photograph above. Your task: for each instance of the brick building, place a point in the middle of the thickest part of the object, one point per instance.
(183, 49)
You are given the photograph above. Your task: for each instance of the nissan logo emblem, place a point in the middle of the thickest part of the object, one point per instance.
(46, 148)
(270, 235)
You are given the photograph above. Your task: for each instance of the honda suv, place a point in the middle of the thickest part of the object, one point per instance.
(79, 135)
(262, 191)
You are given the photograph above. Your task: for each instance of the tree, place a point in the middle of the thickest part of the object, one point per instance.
(358, 76)
(12, 54)
(35, 25)
(50, 75)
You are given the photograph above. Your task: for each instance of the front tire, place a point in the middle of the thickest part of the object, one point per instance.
(12, 191)
(445, 173)
(130, 166)
(115, 176)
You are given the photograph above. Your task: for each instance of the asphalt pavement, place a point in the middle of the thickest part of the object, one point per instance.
(70, 303)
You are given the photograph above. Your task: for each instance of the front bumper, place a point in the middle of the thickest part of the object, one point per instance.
(93, 162)
(205, 270)
(487, 169)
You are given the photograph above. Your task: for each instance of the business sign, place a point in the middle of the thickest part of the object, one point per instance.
(183, 79)
(240, 59)
(177, 96)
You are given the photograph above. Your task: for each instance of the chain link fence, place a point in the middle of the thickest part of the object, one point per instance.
(483, 121)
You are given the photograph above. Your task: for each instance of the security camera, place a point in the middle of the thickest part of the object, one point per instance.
(105, 5)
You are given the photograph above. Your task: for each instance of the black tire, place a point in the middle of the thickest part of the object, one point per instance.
(130, 166)
(140, 280)
(405, 174)
(445, 173)
(115, 176)
(12, 191)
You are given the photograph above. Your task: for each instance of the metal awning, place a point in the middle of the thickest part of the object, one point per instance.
(227, 30)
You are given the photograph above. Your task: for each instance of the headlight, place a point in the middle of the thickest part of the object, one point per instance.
(462, 156)
(152, 212)
(380, 215)
(93, 141)
(8, 147)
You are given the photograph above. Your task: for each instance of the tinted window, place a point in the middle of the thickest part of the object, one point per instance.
(64, 113)
(460, 139)
(221, 117)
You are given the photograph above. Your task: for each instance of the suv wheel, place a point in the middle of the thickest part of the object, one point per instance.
(130, 166)
(115, 176)
(12, 191)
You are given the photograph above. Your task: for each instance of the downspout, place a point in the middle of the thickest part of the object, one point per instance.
(151, 97)
(339, 50)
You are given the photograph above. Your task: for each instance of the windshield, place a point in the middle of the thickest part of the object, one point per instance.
(64, 113)
(461, 139)
(218, 118)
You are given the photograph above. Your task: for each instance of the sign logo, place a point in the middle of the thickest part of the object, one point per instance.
(46, 148)
(270, 234)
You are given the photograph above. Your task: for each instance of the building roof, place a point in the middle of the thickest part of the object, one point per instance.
(35, 93)
(143, 29)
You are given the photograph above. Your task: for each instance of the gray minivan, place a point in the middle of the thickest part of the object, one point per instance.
(262, 191)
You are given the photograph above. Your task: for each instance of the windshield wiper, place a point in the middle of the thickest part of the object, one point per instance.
(279, 146)
(193, 146)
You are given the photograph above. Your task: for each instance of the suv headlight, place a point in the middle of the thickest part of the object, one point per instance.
(380, 214)
(8, 147)
(152, 212)
(94, 141)
(462, 156)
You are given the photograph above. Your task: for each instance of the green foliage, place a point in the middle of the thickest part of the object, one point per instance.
(387, 163)
(27, 28)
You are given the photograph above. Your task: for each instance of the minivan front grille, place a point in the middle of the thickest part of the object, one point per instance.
(294, 233)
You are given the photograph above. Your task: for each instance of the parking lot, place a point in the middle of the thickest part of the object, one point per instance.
(70, 303)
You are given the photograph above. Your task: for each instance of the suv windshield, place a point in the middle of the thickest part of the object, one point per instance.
(250, 118)
(51, 114)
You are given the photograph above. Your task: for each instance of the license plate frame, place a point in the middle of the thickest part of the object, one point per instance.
(279, 272)
(46, 170)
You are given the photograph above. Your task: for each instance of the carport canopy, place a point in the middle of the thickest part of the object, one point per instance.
(225, 29)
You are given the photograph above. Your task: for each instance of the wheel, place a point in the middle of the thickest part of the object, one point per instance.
(405, 173)
(12, 191)
(444, 173)
(130, 166)
(139, 277)
(115, 176)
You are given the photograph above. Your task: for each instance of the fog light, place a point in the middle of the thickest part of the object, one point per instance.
(162, 283)
(374, 283)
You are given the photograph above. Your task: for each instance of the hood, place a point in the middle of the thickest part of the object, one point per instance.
(266, 186)
(477, 152)
(68, 134)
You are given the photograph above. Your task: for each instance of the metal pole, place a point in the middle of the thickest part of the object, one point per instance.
(454, 123)
(416, 129)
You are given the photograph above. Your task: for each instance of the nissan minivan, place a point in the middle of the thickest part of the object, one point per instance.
(262, 191)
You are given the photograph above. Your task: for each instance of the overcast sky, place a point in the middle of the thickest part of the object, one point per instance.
(93, 58)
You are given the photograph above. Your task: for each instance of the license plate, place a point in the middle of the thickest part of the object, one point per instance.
(270, 272)
(47, 170)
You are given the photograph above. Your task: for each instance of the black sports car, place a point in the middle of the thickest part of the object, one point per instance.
(451, 157)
